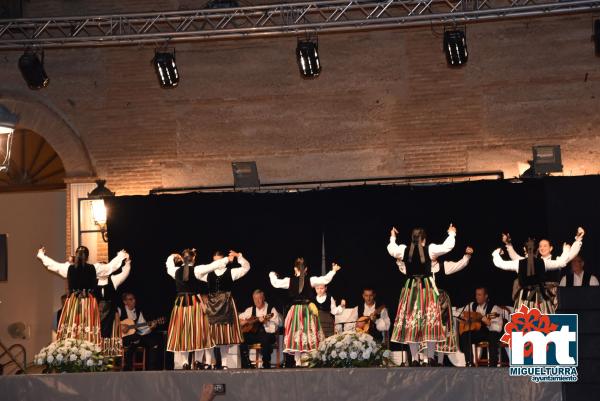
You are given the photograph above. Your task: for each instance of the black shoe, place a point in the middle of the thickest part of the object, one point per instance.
(266, 365)
(198, 365)
(186, 366)
(414, 364)
(433, 362)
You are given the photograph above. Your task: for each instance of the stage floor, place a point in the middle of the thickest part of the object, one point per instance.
(367, 384)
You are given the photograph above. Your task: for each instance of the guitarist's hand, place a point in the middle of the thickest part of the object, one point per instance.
(152, 326)
(486, 321)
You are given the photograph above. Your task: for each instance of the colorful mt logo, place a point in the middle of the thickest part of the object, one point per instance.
(542, 346)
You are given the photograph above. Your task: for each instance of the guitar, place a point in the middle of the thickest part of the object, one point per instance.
(471, 321)
(363, 323)
(252, 324)
(129, 327)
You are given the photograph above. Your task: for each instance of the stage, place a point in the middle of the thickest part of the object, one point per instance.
(366, 384)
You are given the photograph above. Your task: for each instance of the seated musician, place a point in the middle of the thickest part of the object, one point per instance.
(259, 324)
(577, 277)
(145, 336)
(485, 320)
(371, 317)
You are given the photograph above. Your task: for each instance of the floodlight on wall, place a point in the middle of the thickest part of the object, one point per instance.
(307, 54)
(32, 69)
(547, 159)
(8, 123)
(98, 208)
(166, 69)
(455, 47)
(245, 175)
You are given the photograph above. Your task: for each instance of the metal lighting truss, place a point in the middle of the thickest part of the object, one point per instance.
(268, 20)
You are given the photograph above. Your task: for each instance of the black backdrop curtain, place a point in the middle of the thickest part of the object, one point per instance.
(271, 229)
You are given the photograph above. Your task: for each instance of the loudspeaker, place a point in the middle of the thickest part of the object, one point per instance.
(3, 258)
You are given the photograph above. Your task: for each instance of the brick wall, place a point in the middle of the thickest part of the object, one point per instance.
(386, 104)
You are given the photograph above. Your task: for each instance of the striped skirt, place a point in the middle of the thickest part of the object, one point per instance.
(113, 346)
(450, 345)
(303, 331)
(227, 333)
(419, 317)
(535, 298)
(80, 318)
(188, 327)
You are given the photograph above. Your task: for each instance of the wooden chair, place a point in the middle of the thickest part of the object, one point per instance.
(477, 349)
(138, 363)
(257, 355)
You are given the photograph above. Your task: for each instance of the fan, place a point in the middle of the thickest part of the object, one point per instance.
(18, 330)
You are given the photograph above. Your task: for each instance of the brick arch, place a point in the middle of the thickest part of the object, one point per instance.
(39, 117)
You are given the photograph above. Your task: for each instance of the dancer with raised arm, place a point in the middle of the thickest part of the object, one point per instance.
(80, 317)
(328, 308)
(531, 270)
(110, 327)
(303, 331)
(188, 327)
(223, 319)
(450, 345)
(419, 318)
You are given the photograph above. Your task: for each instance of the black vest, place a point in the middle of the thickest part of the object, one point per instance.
(192, 286)
(415, 267)
(82, 277)
(537, 278)
(585, 280)
(376, 334)
(254, 309)
(325, 306)
(294, 290)
(222, 283)
(123, 313)
(109, 292)
(488, 307)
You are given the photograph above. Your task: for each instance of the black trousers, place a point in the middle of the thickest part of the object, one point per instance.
(492, 337)
(152, 343)
(266, 341)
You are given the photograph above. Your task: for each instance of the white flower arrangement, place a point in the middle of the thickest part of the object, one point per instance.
(349, 349)
(72, 356)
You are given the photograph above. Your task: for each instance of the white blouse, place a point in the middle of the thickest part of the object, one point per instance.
(435, 251)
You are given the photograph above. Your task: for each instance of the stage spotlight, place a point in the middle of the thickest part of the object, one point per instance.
(546, 159)
(222, 4)
(32, 69)
(307, 53)
(455, 47)
(596, 37)
(166, 69)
